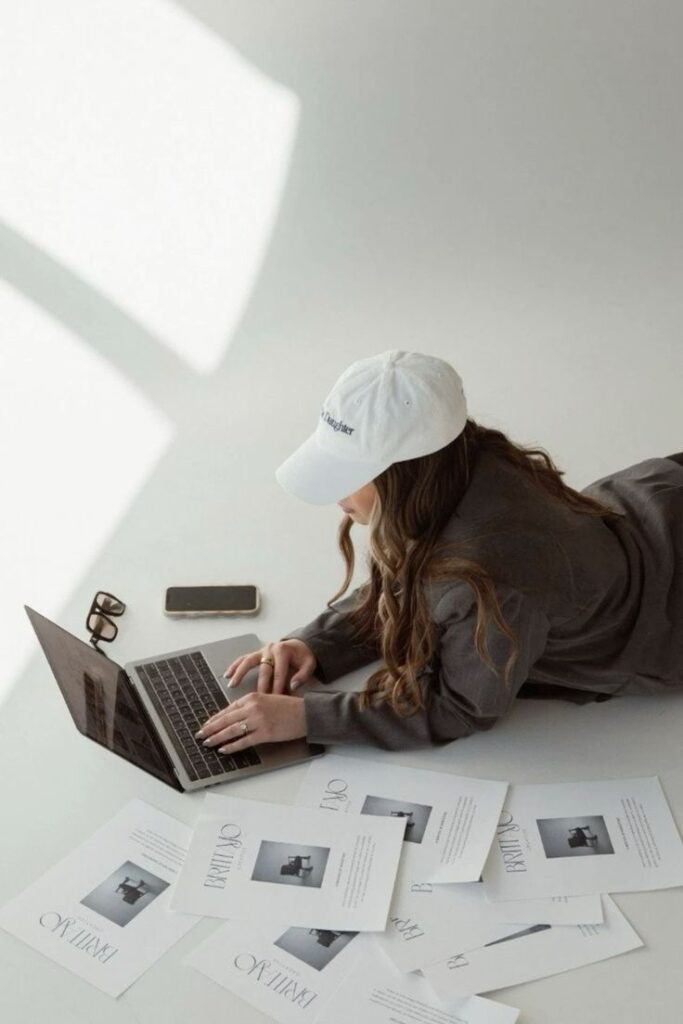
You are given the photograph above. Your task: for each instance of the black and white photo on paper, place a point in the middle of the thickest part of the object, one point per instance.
(315, 946)
(124, 893)
(291, 864)
(416, 816)
(574, 837)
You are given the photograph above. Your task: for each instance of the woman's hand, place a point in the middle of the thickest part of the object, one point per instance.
(269, 717)
(289, 656)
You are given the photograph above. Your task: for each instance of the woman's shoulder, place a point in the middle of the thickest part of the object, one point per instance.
(501, 513)
(647, 477)
(527, 541)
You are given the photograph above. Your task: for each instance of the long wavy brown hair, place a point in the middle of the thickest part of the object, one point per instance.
(415, 499)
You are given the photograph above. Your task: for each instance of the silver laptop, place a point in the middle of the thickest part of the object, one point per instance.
(148, 711)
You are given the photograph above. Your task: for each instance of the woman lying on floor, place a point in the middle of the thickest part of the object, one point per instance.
(489, 578)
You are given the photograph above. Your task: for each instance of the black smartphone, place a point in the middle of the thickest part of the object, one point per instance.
(210, 600)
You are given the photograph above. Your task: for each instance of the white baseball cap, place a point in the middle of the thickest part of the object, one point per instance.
(383, 409)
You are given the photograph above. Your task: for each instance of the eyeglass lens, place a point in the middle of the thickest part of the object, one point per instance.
(101, 627)
(108, 603)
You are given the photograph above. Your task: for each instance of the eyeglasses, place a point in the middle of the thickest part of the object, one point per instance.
(98, 623)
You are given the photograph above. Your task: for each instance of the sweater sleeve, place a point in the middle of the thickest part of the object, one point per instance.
(331, 639)
(460, 692)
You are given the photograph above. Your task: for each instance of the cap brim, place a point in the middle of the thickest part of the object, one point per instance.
(319, 478)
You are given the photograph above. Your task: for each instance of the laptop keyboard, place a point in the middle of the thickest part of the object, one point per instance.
(185, 693)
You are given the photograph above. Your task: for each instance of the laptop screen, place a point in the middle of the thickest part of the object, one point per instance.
(102, 702)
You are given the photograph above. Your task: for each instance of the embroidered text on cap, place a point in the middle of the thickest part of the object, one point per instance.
(336, 424)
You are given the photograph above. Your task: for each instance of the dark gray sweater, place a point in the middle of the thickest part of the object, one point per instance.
(597, 608)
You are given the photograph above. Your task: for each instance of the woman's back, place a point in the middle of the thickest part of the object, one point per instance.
(611, 590)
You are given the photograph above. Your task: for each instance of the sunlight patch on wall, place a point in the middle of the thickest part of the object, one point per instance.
(66, 483)
(148, 156)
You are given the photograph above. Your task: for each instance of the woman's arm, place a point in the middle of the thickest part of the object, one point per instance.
(461, 695)
(331, 640)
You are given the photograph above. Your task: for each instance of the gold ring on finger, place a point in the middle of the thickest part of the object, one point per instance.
(267, 661)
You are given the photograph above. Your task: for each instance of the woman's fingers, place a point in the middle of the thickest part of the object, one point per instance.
(240, 744)
(220, 720)
(230, 667)
(279, 679)
(231, 731)
(242, 665)
(228, 725)
(271, 678)
(210, 725)
(265, 675)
